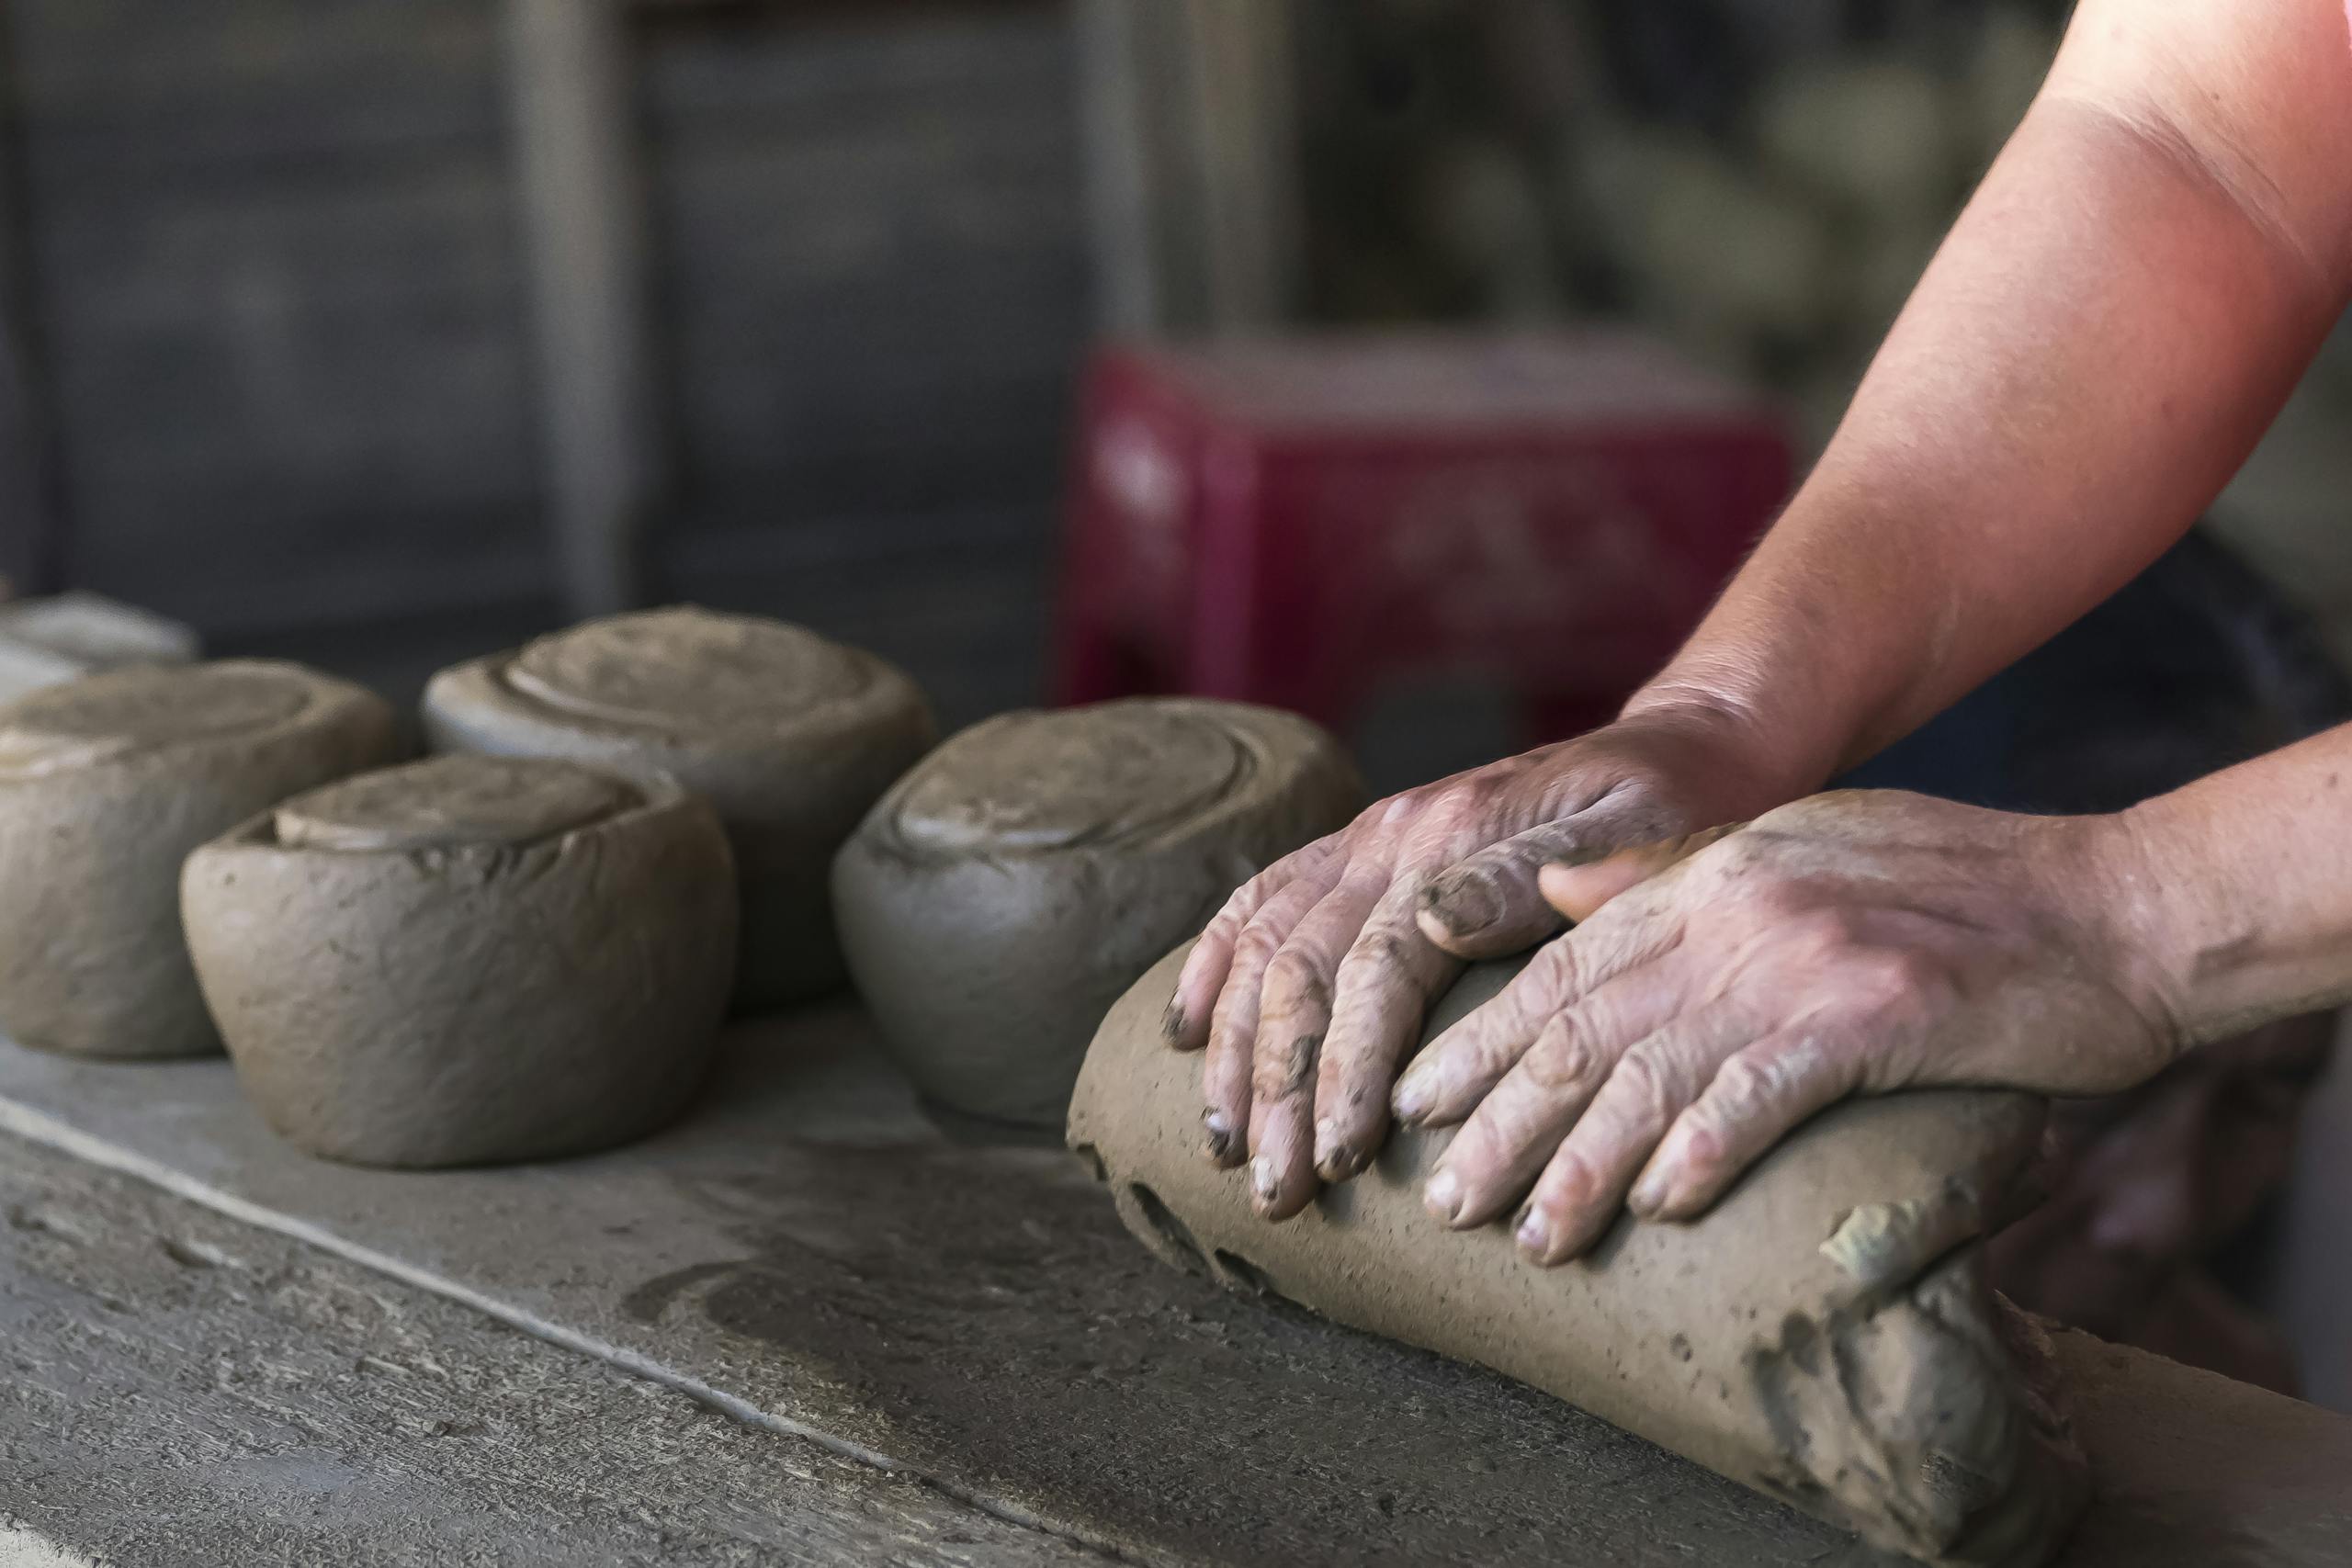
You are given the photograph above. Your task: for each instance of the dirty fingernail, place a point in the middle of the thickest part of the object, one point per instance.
(1463, 907)
(1442, 1196)
(1261, 1178)
(1220, 1136)
(1534, 1232)
(1335, 1160)
(1171, 1021)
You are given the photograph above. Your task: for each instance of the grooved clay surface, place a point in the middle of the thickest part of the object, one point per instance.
(791, 737)
(106, 785)
(1005, 891)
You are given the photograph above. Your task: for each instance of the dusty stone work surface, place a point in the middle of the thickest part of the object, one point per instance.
(184, 1391)
(804, 1254)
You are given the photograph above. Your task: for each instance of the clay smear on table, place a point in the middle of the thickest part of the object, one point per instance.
(1826, 1333)
(790, 735)
(1004, 891)
(105, 783)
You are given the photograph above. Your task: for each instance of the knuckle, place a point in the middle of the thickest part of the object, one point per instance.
(1822, 932)
(1743, 1081)
(1259, 944)
(1567, 1184)
(1647, 1083)
(1296, 979)
(1563, 1059)
(1381, 950)
(1284, 1066)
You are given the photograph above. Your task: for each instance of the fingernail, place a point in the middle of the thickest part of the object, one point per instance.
(1171, 1021)
(1334, 1159)
(1534, 1232)
(1220, 1136)
(1463, 906)
(1649, 1193)
(1415, 1097)
(1442, 1196)
(1261, 1178)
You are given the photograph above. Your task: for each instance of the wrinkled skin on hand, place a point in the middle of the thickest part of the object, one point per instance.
(1311, 982)
(1726, 987)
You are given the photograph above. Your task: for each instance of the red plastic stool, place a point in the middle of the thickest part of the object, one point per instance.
(1301, 522)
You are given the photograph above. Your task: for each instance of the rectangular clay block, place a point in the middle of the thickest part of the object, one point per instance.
(1824, 1334)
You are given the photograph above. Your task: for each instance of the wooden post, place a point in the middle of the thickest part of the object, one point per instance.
(33, 488)
(1190, 113)
(586, 243)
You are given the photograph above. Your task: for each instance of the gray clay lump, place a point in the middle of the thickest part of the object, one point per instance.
(790, 735)
(105, 783)
(1825, 1333)
(1005, 891)
(468, 960)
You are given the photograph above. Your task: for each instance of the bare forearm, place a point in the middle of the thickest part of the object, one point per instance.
(2102, 339)
(2237, 890)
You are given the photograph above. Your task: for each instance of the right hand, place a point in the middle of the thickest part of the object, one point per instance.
(1311, 982)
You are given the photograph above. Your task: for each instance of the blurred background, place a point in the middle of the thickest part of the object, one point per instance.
(381, 333)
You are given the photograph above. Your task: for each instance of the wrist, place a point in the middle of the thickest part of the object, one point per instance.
(2122, 880)
(1724, 742)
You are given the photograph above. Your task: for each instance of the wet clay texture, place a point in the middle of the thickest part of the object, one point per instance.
(468, 960)
(790, 735)
(1824, 1334)
(1005, 892)
(105, 783)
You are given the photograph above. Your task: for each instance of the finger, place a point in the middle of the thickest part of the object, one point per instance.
(1488, 904)
(1448, 1077)
(1757, 1098)
(1583, 1188)
(1577, 891)
(1186, 1024)
(1382, 989)
(1233, 1022)
(1514, 1129)
(1292, 1021)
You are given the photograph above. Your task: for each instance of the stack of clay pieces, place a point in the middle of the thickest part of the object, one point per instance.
(45, 642)
(470, 959)
(1005, 891)
(105, 783)
(1824, 1334)
(789, 736)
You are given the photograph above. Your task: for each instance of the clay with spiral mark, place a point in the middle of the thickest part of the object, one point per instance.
(1005, 891)
(106, 785)
(789, 735)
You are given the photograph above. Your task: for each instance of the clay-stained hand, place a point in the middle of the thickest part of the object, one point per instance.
(1307, 987)
(1737, 982)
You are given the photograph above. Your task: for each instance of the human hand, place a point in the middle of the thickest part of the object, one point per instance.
(1725, 987)
(1309, 983)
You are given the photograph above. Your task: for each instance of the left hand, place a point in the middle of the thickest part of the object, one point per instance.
(1738, 981)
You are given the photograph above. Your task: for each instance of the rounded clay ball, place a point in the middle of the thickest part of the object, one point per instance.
(790, 735)
(468, 960)
(105, 783)
(996, 901)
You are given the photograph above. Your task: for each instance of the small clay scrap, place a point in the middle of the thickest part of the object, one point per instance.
(469, 959)
(1005, 892)
(105, 783)
(45, 642)
(1824, 1334)
(789, 736)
